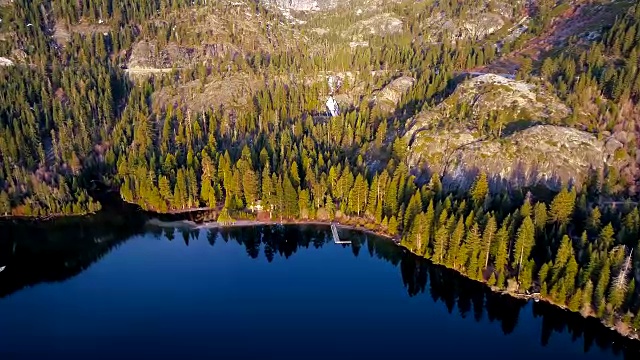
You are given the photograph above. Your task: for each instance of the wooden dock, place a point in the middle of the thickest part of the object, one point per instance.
(336, 238)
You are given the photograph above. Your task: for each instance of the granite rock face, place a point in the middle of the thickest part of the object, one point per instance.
(547, 155)
(389, 96)
(303, 5)
(534, 147)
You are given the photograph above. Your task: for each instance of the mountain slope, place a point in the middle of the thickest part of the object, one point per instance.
(504, 129)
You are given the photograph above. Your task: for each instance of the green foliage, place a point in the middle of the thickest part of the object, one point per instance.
(492, 280)
(480, 188)
(72, 117)
(5, 203)
(540, 216)
(562, 206)
(224, 217)
(393, 226)
(525, 278)
(524, 243)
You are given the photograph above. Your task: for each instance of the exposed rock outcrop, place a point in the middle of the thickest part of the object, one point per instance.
(491, 94)
(476, 27)
(530, 148)
(231, 92)
(303, 5)
(389, 97)
(148, 55)
(5, 62)
(382, 24)
(543, 154)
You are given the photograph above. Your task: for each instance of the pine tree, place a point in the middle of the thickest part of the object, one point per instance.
(564, 253)
(542, 278)
(603, 283)
(430, 216)
(420, 235)
(540, 216)
(474, 245)
(488, 237)
(291, 206)
(501, 254)
(393, 226)
(631, 292)
(5, 203)
(457, 236)
(559, 292)
(250, 187)
(358, 195)
(575, 302)
(378, 214)
(593, 223)
(492, 279)
(636, 320)
(413, 208)
(207, 192)
(439, 244)
(480, 188)
(525, 278)
(587, 296)
(294, 175)
(381, 133)
(435, 185)
(304, 203)
(605, 239)
(525, 68)
(501, 280)
(372, 200)
(524, 243)
(268, 192)
(180, 192)
(562, 206)
(279, 199)
(525, 209)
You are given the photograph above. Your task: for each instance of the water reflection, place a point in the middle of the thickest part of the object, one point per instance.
(37, 254)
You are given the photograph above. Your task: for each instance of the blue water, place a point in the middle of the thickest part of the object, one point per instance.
(154, 297)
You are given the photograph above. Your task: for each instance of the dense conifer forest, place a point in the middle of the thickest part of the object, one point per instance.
(71, 118)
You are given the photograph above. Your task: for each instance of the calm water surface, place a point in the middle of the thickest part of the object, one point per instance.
(119, 291)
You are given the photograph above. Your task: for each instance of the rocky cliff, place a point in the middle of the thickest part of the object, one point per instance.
(529, 146)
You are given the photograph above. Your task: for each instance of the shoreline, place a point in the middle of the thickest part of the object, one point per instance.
(46, 218)
(249, 223)
(154, 220)
(632, 336)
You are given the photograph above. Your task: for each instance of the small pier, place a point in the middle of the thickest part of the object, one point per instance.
(336, 238)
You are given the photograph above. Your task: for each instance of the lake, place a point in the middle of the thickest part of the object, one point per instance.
(122, 289)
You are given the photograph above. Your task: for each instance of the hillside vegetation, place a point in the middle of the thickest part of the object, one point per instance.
(189, 104)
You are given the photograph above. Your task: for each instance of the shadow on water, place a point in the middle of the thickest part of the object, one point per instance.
(54, 251)
(57, 251)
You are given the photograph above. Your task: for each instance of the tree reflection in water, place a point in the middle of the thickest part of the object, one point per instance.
(49, 253)
(419, 276)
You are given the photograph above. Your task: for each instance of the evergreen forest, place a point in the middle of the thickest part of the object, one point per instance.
(74, 119)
